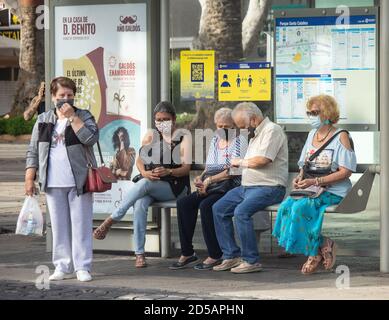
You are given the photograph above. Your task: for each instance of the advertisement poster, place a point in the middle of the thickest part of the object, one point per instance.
(197, 75)
(103, 48)
(244, 81)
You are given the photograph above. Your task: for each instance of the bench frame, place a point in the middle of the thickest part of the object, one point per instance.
(355, 202)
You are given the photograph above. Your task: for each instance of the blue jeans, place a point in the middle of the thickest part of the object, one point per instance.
(142, 194)
(242, 203)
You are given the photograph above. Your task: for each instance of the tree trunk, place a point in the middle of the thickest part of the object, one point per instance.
(220, 30)
(252, 25)
(31, 59)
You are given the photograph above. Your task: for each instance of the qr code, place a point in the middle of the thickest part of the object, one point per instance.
(197, 72)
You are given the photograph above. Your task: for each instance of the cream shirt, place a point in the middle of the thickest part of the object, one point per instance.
(269, 141)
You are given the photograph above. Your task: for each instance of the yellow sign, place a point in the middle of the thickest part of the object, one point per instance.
(11, 34)
(197, 75)
(14, 19)
(244, 81)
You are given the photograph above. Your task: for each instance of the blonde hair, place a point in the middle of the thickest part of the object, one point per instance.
(329, 109)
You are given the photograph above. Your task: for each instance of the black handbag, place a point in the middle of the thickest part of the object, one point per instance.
(218, 187)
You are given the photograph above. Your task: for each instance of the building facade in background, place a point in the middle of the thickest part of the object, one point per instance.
(9, 57)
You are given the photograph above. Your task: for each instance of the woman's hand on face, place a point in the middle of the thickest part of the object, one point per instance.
(161, 172)
(306, 183)
(150, 175)
(30, 188)
(67, 110)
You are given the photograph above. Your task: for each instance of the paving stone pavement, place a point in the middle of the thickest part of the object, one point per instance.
(17, 290)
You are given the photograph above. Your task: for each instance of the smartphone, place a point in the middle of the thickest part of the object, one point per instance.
(235, 171)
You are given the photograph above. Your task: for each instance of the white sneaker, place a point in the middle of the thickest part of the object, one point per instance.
(59, 275)
(84, 276)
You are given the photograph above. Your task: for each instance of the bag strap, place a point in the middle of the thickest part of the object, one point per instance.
(317, 153)
(89, 156)
(100, 154)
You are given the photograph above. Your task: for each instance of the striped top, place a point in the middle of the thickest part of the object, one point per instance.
(220, 159)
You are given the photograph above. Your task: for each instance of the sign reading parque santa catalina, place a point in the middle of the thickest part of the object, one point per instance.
(248, 81)
(326, 55)
(103, 48)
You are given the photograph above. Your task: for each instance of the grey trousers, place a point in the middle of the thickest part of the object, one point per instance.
(72, 223)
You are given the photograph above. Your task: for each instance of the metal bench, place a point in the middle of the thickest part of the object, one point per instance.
(355, 202)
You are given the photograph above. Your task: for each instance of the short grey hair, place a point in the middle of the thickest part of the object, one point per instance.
(223, 114)
(248, 110)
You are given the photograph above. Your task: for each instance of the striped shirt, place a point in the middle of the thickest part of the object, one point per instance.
(220, 159)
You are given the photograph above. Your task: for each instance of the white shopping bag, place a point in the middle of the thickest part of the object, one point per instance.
(30, 221)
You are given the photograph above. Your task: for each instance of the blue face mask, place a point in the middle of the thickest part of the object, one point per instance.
(316, 122)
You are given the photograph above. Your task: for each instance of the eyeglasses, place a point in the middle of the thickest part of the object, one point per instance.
(313, 113)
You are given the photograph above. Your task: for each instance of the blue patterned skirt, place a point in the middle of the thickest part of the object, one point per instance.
(299, 223)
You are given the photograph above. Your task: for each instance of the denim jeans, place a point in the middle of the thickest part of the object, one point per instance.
(142, 194)
(242, 203)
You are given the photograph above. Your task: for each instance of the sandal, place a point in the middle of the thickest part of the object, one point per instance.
(102, 230)
(140, 261)
(328, 251)
(311, 265)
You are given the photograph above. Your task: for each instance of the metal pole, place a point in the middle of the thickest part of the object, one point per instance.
(384, 114)
(165, 233)
(165, 50)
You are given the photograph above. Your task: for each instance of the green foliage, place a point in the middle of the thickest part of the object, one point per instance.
(175, 79)
(175, 82)
(16, 126)
(184, 119)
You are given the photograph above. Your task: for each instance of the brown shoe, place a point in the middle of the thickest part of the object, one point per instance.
(140, 261)
(102, 230)
(246, 267)
(227, 264)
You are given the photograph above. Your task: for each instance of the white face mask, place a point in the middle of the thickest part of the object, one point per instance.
(316, 122)
(164, 127)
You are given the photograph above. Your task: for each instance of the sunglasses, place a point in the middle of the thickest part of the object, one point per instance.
(313, 113)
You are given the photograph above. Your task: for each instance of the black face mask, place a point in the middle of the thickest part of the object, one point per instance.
(251, 131)
(227, 134)
(61, 102)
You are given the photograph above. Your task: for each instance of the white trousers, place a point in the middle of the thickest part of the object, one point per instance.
(72, 226)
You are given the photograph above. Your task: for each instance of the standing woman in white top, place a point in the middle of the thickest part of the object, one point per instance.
(61, 140)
